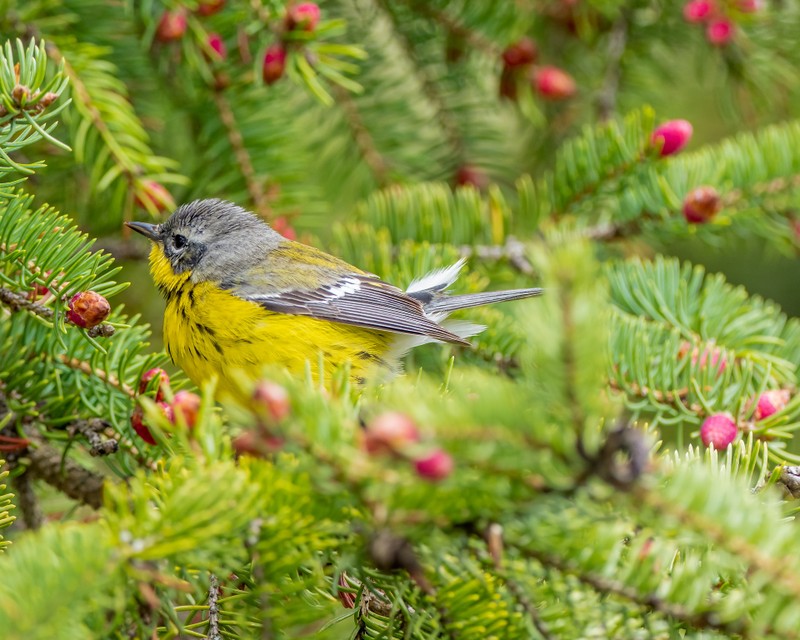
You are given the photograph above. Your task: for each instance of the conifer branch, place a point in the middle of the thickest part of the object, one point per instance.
(772, 187)
(110, 433)
(89, 370)
(607, 96)
(429, 86)
(362, 136)
(651, 601)
(779, 571)
(618, 172)
(677, 397)
(242, 155)
(494, 545)
(450, 24)
(254, 530)
(127, 168)
(16, 301)
(570, 362)
(739, 197)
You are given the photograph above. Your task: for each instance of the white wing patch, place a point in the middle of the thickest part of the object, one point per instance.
(324, 294)
(437, 280)
(348, 285)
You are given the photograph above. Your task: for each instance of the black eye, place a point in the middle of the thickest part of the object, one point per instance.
(179, 241)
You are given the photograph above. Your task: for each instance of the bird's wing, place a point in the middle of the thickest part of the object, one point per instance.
(300, 280)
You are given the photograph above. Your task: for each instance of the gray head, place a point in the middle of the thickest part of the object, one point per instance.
(213, 239)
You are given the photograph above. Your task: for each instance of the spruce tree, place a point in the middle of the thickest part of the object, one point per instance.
(614, 459)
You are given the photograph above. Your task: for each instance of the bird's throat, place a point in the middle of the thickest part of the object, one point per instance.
(164, 277)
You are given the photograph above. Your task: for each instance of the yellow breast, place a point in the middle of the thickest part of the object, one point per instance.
(209, 332)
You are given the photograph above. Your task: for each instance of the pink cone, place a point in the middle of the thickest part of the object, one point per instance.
(719, 430)
(672, 136)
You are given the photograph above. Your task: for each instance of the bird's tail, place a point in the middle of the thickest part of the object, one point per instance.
(437, 304)
(448, 304)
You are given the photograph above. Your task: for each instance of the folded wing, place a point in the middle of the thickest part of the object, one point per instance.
(300, 280)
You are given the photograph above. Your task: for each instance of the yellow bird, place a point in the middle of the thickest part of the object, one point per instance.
(241, 296)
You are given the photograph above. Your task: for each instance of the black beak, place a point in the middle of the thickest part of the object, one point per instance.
(148, 230)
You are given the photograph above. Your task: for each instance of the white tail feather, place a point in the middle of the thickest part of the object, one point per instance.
(437, 280)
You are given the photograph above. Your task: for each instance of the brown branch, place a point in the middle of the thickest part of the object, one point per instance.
(363, 139)
(513, 250)
(102, 330)
(91, 429)
(16, 301)
(86, 367)
(27, 501)
(50, 465)
(254, 187)
(676, 398)
(213, 609)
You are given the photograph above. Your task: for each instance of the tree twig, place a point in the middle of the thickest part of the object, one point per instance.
(213, 609)
(513, 250)
(675, 398)
(16, 301)
(91, 429)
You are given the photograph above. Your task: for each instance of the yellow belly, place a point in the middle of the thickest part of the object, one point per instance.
(209, 332)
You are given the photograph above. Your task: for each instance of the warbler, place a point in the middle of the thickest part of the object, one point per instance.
(240, 296)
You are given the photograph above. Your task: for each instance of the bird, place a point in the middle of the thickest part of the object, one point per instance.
(240, 296)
